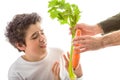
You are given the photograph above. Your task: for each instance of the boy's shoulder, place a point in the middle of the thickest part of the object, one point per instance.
(15, 65)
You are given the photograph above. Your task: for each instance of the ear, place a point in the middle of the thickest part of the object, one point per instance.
(20, 46)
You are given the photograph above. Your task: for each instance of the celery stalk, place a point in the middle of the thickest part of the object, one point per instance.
(69, 14)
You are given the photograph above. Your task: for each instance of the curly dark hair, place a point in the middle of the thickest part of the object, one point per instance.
(16, 29)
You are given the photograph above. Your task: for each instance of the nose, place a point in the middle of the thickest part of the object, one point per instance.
(41, 37)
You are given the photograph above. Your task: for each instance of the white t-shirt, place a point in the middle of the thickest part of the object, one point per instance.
(39, 70)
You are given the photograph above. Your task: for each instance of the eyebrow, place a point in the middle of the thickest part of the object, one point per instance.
(36, 32)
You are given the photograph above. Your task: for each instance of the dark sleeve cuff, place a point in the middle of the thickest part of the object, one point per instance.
(110, 24)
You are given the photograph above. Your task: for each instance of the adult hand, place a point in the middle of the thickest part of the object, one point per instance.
(89, 29)
(87, 43)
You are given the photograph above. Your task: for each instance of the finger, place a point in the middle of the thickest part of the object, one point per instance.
(79, 26)
(82, 49)
(85, 37)
(66, 61)
(70, 31)
(68, 55)
(58, 69)
(79, 43)
(55, 68)
(79, 38)
(65, 58)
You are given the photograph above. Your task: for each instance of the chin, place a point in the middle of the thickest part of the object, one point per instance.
(44, 49)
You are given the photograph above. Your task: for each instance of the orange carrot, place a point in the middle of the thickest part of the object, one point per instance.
(76, 52)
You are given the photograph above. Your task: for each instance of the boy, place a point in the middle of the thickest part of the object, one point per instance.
(39, 62)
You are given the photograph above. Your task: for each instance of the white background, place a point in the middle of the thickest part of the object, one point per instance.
(103, 64)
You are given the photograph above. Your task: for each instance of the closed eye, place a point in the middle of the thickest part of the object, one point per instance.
(35, 35)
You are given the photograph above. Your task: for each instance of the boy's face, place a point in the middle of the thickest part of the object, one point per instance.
(35, 40)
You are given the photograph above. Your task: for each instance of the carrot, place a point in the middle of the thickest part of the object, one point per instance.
(76, 52)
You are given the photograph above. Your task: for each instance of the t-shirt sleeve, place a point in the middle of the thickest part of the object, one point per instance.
(14, 76)
(111, 24)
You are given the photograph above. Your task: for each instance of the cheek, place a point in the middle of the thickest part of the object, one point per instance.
(32, 45)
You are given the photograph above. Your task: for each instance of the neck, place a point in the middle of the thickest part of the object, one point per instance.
(34, 58)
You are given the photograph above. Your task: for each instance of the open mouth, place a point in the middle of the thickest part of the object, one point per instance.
(43, 45)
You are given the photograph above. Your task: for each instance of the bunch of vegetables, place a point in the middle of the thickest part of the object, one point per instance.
(67, 13)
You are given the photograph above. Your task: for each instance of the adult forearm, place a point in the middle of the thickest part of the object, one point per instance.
(110, 24)
(111, 39)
